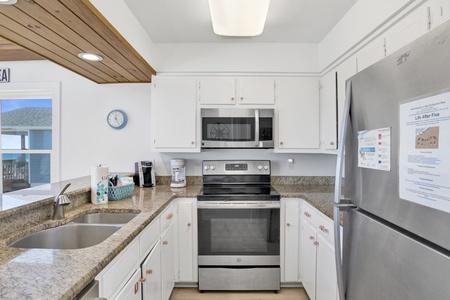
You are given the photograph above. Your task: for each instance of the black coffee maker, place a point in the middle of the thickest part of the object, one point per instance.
(144, 175)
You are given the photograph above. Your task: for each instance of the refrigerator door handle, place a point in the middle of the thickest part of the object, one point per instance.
(337, 190)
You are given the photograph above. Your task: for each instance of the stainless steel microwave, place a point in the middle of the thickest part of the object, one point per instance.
(237, 128)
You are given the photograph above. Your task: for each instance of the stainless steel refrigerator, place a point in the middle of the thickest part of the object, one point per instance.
(396, 161)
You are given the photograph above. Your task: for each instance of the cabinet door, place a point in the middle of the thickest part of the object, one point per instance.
(298, 113)
(256, 91)
(151, 272)
(308, 258)
(131, 290)
(326, 282)
(187, 240)
(290, 231)
(371, 53)
(217, 91)
(167, 261)
(328, 111)
(174, 115)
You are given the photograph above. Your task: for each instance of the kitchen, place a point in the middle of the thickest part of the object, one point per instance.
(83, 100)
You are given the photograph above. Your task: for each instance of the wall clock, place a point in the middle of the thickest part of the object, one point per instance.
(117, 119)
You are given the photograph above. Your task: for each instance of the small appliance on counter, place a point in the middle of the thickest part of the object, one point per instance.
(144, 175)
(178, 173)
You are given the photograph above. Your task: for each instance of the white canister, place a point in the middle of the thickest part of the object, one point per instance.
(99, 184)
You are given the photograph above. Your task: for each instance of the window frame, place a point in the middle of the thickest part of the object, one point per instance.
(32, 91)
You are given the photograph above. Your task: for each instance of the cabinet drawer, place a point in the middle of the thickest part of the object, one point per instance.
(309, 214)
(167, 216)
(325, 228)
(149, 237)
(132, 290)
(120, 271)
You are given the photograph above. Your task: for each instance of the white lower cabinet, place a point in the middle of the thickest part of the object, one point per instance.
(167, 261)
(187, 241)
(132, 289)
(151, 275)
(317, 254)
(289, 240)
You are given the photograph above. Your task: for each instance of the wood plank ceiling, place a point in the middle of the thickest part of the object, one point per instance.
(58, 30)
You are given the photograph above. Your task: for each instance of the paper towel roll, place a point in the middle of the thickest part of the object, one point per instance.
(99, 184)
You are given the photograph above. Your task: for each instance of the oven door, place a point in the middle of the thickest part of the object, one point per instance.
(238, 233)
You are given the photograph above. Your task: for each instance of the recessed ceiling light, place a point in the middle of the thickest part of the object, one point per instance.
(8, 1)
(90, 57)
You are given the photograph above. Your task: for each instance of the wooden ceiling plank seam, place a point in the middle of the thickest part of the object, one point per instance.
(40, 24)
(24, 54)
(47, 53)
(76, 24)
(107, 29)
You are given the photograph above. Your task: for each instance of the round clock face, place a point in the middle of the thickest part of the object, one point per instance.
(117, 119)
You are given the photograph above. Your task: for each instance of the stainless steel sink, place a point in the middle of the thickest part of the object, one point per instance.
(69, 236)
(105, 218)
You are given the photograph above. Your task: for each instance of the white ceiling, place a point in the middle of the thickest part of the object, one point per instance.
(288, 21)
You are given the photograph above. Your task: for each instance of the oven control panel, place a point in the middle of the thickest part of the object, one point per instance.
(236, 167)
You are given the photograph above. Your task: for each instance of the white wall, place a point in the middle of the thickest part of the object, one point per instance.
(86, 139)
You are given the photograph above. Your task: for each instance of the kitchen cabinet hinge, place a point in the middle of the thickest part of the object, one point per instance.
(428, 18)
(384, 47)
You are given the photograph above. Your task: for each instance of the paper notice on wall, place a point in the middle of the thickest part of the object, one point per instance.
(424, 152)
(374, 149)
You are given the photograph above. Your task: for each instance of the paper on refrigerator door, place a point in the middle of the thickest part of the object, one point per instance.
(374, 149)
(99, 184)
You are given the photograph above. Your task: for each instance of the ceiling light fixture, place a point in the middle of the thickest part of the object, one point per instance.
(8, 1)
(238, 17)
(90, 57)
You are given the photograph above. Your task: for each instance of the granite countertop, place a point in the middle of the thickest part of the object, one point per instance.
(62, 274)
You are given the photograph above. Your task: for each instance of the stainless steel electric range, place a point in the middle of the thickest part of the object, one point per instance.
(238, 227)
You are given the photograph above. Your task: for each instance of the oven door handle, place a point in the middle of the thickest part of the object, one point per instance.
(257, 128)
(236, 205)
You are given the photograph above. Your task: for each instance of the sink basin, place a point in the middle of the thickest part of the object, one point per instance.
(69, 236)
(105, 218)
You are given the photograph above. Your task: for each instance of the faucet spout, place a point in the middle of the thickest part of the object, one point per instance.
(60, 201)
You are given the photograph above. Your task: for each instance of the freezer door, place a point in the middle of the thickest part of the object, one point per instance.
(418, 70)
(383, 263)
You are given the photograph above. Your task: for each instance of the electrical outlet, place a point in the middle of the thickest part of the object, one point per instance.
(290, 164)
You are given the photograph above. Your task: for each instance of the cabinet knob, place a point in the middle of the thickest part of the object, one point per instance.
(307, 214)
(316, 243)
(149, 271)
(331, 143)
(311, 238)
(281, 143)
(242, 98)
(169, 216)
(165, 242)
(288, 225)
(189, 224)
(232, 98)
(142, 279)
(324, 229)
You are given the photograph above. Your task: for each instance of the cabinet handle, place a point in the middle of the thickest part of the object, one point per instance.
(192, 142)
(242, 98)
(169, 216)
(165, 242)
(232, 98)
(149, 271)
(288, 224)
(142, 279)
(189, 224)
(331, 143)
(307, 214)
(325, 230)
(316, 243)
(281, 143)
(311, 238)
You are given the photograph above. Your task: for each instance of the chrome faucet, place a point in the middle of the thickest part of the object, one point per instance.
(61, 200)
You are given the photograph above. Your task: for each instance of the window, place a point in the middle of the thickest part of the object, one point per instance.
(29, 135)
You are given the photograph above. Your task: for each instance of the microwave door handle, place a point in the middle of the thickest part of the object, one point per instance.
(256, 127)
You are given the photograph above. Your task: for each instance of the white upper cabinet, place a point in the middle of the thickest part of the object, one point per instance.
(174, 115)
(371, 53)
(298, 114)
(240, 91)
(328, 111)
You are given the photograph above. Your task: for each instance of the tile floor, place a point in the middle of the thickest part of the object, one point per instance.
(283, 294)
